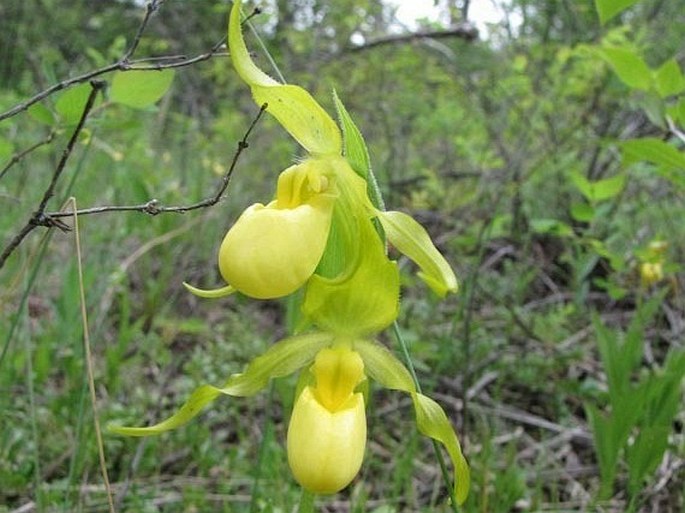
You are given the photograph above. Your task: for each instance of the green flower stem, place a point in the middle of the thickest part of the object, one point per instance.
(306, 502)
(436, 448)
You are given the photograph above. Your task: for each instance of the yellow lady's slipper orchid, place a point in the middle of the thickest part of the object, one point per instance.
(273, 250)
(323, 232)
(328, 425)
(651, 273)
(652, 263)
(327, 431)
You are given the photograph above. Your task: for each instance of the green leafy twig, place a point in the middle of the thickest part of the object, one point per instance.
(39, 218)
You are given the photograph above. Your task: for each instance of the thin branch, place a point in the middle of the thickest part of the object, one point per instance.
(671, 127)
(18, 156)
(150, 9)
(465, 31)
(121, 64)
(127, 64)
(39, 218)
(153, 206)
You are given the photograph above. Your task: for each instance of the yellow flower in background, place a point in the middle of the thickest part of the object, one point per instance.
(652, 265)
(651, 273)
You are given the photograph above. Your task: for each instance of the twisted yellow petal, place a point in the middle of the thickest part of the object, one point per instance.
(292, 106)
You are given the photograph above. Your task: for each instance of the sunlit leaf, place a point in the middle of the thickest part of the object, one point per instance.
(42, 114)
(582, 212)
(355, 150)
(607, 9)
(656, 151)
(140, 88)
(71, 103)
(608, 187)
(629, 67)
(551, 226)
(669, 79)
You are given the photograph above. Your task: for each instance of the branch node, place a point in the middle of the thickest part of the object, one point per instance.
(42, 219)
(152, 207)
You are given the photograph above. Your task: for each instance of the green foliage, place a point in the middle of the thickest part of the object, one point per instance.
(642, 408)
(607, 9)
(548, 154)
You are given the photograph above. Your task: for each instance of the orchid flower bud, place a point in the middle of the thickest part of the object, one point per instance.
(327, 432)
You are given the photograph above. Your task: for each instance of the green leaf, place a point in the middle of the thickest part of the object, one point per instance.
(583, 212)
(677, 112)
(606, 448)
(42, 114)
(629, 67)
(599, 190)
(656, 151)
(354, 148)
(645, 454)
(71, 103)
(551, 226)
(140, 88)
(669, 79)
(608, 187)
(283, 358)
(410, 238)
(607, 9)
(581, 183)
(432, 422)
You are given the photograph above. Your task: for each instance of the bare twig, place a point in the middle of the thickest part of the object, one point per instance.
(39, 218)
(465, 31)
(153, 206)
(18, 156)
(121, 64)
(126, 63)
(150, 9)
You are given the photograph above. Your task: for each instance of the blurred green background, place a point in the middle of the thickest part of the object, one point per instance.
(545, 157)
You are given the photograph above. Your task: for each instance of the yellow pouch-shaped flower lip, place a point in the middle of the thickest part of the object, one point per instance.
(411, 239)
(292, 106)
(271, 252)
(327, 431)
(326, 449)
